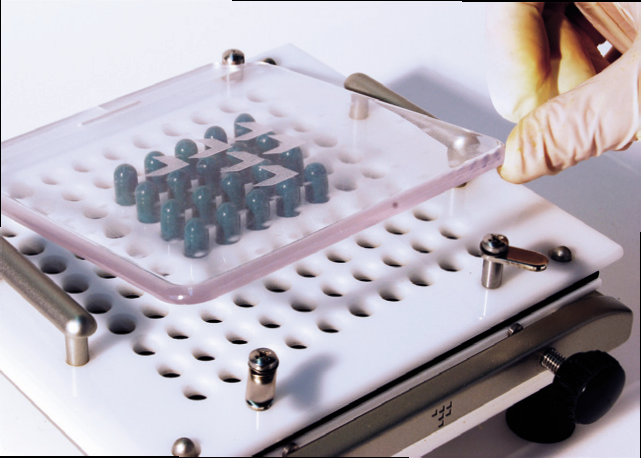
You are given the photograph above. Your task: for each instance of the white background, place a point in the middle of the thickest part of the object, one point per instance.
(59, 58)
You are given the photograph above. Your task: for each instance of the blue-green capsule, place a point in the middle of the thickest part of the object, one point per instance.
(233, 190)
(179, 184)
(151, 165)
(293, 160)
(227, 224)
(125, 182)
(196, 238)
(240, 130)
(257, 210)
(147, 203)
(266, 143)
(217, 132)
(316, 186)
(204, 204)
(209, 172)
(185, 149)
(259, 174)
(172, 220)
(288, 199)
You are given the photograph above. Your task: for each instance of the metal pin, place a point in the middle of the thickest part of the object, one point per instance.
(359, 108)
(234, 60)
(261, 383)
(184, 447)
(497, 252)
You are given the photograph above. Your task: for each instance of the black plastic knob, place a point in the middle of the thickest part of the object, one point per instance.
(584, 389)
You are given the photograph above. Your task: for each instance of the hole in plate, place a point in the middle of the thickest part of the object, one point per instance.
(154, 312)
(177, 334)
(121, 324)
(210, 318)
(360, 311)
(80, 166)
(338, 257)
(332, 291)
(7, 233)
(424, 214)
(421, 247)
(112, 154)
(237, 340)
(202, 117)
(129, 293)
(142, 142)
(172, 130)
(229, 378)
(168, 372)
(73, 195)
(307, 271)
(474, 250)
(95, 212)
(32, 247)
(75, 284)
(448, 233)
(102, 183)
(138, 251)
(104, 274)
(301, 125)
(269, 324)
(116, 230)
(246, 302)
(49, 179)
(326, 141)
(277, 285)
(328, 327)
(231, 106)
(374, 172)
(280, 110)
(367, 242)
(449, 265)
(393, 261)
(98, 304)
(362, 276)
(203, 357)
(195, 396)
(303, 305)
(258, 95)
(143, 349)
(396, 228)
(350, 156)
(345, 183)
(20, 190)
(420, 279)
(391, 294)
(295, 344)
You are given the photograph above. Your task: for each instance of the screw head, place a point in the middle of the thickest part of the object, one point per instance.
(233, 57)
(184, 447)
(263, 360)
(560, 254)
(495, 244)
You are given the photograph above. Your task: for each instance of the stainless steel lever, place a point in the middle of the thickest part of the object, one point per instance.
(497, 252)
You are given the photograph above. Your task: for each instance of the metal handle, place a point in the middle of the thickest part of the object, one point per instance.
(497, 252)
(461, 144)
(52, 302)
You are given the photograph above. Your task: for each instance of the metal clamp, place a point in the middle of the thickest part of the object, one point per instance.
(51, 301)
(497, 252)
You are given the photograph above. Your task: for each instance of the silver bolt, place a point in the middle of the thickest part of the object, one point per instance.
(233, 57)
(261, 383)
(184, 447)
(552, 360)
(560, 254)
(359, 107)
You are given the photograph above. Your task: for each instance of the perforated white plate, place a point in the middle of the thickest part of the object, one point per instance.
(59, 180)
(343, 322)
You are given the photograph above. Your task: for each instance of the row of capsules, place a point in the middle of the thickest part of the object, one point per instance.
(211, 179)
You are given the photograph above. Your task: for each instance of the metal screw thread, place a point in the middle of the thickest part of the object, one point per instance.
(552, 360)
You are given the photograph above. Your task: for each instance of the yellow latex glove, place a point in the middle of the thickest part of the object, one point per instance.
(546, 73)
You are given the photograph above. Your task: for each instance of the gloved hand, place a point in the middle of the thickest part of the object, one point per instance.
(547, 74)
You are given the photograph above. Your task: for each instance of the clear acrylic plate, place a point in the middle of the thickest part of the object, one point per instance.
(379, 160)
